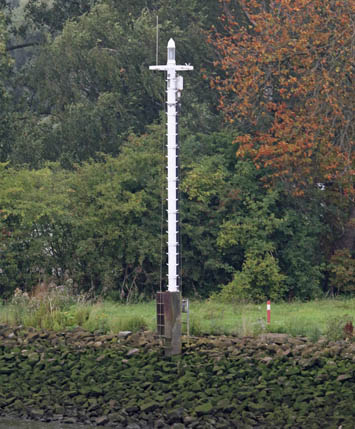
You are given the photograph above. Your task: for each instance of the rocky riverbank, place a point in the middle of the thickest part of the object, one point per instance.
(123, 381)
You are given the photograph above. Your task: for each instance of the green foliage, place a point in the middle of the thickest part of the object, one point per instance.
(266, 246)
(81, 83)
(258, 280)
(93, 223)
(301, 254)
(81, 193)
(5, 100)
(342, 269)
(53, 14)
(52, 308)
(275, 242)
(205, 184)
(89, 87)
(335, 327)
(101, 223)
(81, 314)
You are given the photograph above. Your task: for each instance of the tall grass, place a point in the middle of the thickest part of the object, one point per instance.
(311, 319)
(102, 316)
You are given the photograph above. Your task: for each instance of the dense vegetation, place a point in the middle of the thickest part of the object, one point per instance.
(267, 205)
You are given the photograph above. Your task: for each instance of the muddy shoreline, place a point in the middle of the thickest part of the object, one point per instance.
(124, 381)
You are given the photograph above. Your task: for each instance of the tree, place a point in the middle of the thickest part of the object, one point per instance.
(287, 80)
(85, 89)
(238, 236)
(53, 15)
(5, 99)
(99, 222)
(89, 86)
(278, 244)
(205, 188)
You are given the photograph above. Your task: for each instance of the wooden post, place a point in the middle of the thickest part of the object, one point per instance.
(268, 312)
(169, 321)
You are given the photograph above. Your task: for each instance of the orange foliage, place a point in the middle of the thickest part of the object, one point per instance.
(287, 79)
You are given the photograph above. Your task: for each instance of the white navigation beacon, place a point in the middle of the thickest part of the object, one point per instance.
(174, 88)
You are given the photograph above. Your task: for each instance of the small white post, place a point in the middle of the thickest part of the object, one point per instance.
(174, 88)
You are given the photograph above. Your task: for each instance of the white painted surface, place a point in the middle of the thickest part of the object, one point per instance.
(174, 88)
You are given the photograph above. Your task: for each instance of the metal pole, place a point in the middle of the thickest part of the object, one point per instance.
(174, 88)
(172, 181)
(169, 303)
(157, 42)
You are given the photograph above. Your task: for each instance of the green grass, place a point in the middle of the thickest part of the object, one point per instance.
(311, 319)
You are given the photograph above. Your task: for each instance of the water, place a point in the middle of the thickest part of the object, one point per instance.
(9, 423)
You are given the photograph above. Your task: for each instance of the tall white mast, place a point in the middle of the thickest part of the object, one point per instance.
(174, 88)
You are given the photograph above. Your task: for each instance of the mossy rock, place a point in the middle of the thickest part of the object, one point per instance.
(215, 382)
(149, 406)
(204, 409)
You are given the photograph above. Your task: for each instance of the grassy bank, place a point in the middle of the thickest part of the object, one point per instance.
(312, 319)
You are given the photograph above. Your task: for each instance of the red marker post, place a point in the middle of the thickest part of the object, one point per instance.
(268, 311)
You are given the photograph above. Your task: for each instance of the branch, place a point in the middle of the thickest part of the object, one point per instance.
(246, 14)
(23, 45)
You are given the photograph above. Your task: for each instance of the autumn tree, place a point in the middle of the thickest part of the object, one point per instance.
(287, 81)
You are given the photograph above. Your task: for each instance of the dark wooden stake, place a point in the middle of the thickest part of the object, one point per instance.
(169, 321)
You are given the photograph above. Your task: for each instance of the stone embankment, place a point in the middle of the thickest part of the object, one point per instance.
(124, 381)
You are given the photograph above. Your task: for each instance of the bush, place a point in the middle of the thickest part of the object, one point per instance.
(48, 307)
(335, 329)
(342, 271)
(260, 279)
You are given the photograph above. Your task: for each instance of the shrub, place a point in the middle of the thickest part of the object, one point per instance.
(260, 279)
(48, 307)
(342, 271)
(335, 329)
